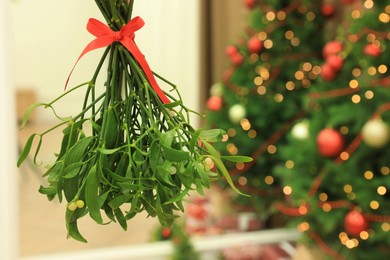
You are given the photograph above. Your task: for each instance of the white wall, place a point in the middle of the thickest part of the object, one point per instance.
(8, 173)
(49, 35)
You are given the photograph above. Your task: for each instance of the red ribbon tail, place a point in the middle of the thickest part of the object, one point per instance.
(132, 47)
(153, 83)
(93, 45)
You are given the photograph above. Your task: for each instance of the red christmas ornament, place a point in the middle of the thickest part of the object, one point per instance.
(327, 72)
(328, 10)
(166, 232)
(231, 50)
(237, 59)
(250, 3)
(355, 222)
(372, 50)
(254, 45)
(335, 62)
(333, 47)
(330, 142)
(215, 103)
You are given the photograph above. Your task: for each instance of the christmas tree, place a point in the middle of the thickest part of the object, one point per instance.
(183, 247)
(336, 179)
(260, 96)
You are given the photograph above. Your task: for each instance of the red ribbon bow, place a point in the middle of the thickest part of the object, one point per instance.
(106, 36)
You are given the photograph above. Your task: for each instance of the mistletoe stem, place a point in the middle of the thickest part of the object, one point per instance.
(66, 93)
(104, 11)
(130, 12)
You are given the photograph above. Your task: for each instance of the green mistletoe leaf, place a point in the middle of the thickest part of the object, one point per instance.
(26, 150)
(73, 231)
(91, 196)
(77, 151)
(242, 159)
(121, 218)
(174, 155)
(213, 135)
(72, 170)
(28, 112)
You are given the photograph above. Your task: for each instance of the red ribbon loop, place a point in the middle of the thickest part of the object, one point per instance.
(105, 37)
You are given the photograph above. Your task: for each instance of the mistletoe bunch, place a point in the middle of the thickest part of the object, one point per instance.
(131, 148)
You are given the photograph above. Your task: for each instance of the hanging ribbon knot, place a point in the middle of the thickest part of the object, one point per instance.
(105, 37)
(119, 36)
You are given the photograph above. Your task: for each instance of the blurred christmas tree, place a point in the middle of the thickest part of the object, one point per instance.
(183, 248)
(337, 178)
(261, 95)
